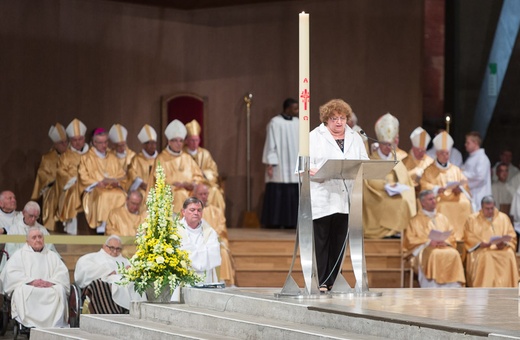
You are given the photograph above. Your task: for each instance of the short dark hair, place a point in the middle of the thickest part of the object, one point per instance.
(192, 200)
(288, 103)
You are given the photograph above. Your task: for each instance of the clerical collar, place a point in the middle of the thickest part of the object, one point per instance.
(2, 212)
(82, 151)
(430, 214)
(440, 165)
(192, 152)
(148, 156)
(99, 154)
(384, 157)
(171, 152)
(121, 155)
(286, 117)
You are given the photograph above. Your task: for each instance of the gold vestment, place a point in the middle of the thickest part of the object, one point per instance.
(45, 186)
(121, 222)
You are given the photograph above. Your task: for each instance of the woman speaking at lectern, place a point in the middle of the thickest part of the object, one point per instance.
(332, 139)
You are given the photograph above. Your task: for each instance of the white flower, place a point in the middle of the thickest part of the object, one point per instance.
(169, 250)
(159, 259)
(183, 264)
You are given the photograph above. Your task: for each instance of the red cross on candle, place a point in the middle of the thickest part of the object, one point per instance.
(305, 96)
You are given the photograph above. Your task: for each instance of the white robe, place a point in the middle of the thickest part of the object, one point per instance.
(512, 171)
(502, 193)
(6, 220)
(332, 196)
(515, 210)
(477, 170)
(204, 249)
(281, 149)
(100, 265)
(20, 228)
(32, 306)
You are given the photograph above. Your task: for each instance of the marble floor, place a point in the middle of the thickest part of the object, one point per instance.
(474, 311)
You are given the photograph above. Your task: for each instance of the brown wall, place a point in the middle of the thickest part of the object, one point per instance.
(105, 62)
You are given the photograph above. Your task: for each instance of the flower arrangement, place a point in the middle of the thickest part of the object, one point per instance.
(159, 262)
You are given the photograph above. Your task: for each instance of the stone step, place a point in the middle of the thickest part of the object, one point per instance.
(241, 325)
(65, 334)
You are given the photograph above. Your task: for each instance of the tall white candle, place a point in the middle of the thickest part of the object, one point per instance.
(304, 79)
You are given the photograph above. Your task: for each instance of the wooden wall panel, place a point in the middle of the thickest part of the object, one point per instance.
(107, 62)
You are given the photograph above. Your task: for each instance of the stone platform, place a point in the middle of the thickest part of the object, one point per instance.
(255, 313)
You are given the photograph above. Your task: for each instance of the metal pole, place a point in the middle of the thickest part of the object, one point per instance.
(247, 98)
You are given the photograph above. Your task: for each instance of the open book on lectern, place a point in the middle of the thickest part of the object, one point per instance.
(348, 169)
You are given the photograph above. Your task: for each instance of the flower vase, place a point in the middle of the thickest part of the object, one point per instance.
(164, 296)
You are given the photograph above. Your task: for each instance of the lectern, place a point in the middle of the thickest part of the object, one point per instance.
(356, 170)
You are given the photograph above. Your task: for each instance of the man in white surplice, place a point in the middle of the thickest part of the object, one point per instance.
(39, 283)
(200, 240)
(7, 210)
(104, 265)
(477, 169)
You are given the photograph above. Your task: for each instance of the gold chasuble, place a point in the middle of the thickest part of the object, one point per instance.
(210, 171)
(97, 201)
(45, 186)
(123, 223)
(126, 160)
(178, 167)
(217, 221)
(490, 267)
(69, 204)
(400, 154)
(385, 215)
(416, 168)
(442, 264)
(456, 207)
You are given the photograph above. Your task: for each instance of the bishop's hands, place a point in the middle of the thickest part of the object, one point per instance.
(39, 283)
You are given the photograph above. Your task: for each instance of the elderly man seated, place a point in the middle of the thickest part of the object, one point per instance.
(97, 274)
(490, 240)
(430, 239)
(22, 222)
(125, 220)
(39, 283)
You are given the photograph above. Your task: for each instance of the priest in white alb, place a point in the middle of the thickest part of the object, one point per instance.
(477, 169)
(97, 273)
(39, 283)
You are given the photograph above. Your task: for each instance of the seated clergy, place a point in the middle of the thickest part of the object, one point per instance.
(417, 159)
(97, 274)
(449, 185)
(180, 170)
(207, 165)
(490, 240)
(39, 283)
(117, 135)
(388, 204)
(45, 184)
(439, 263)
(142, 165)
(123, 221)
(217, 221)
(7, 210)
(102, 179)
(200, 240)
(22, 223)
(502, 190)
(69, 203)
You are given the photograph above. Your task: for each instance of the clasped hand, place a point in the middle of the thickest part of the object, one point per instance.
(41, 283)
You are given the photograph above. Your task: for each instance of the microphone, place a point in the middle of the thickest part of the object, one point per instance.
(364, 134)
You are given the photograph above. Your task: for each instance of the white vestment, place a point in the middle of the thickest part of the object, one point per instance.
(281, 149)
(204, 249)
(512, 171)
(477, 170)
(6, 220)
(101, 265)
(20, 228)
(502, 193)
(33, 306)
(515, 210)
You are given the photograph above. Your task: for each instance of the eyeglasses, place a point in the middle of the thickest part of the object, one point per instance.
(335, 119)
(116, 249)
